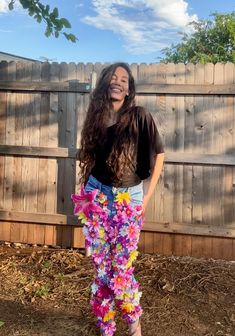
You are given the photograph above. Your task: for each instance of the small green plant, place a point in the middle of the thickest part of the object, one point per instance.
(42, 291)
(60, 277)
(47, 264)
(1, 323)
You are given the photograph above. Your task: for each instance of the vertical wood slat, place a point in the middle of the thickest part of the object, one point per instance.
(160, 118)
(36, 233)
(67, 138)
(83, 74)
(179, 144)
(4, 229)
(229, 141)
(17, 165)
(169, 170)
(188, 146)
(40, 231)
(228, 189)
(51, 200)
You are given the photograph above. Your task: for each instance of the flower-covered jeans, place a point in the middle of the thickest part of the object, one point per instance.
(112, 219)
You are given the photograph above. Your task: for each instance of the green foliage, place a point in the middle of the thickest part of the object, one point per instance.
(212, 41)
(42, 291)
(40, 12)
(1, 323)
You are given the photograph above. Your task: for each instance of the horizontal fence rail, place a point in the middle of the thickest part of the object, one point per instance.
(76, 87)
(178, 158)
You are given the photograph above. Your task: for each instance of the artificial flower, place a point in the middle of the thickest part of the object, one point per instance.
(85, 202)
(109, 329)
(132, 231)
(128, 307)
(123, 198)
(109, 316)
(82, 217)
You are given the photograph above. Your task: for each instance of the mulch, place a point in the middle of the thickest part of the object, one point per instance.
(46, 292)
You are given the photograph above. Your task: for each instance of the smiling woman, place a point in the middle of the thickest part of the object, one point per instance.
(119, 87)
(120, 147)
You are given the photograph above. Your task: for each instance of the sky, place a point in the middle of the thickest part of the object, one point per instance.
(133, 31)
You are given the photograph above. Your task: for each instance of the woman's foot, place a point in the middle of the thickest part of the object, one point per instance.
(135, 328)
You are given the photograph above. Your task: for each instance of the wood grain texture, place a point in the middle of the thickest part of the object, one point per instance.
(43, 108)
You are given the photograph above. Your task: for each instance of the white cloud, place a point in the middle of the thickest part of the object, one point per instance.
(4, 5)
(145, 25)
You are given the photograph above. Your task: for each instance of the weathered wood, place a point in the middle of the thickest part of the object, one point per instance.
(170, 158)
(169, 171)
(195, 118)
(207, 230)
(26, 86)
(185, 89)
(218, 148)
(188, 146)
(43, 152)
(77, 87)
(37, 217)
(179, 143)
(200, 159)
(4, 230)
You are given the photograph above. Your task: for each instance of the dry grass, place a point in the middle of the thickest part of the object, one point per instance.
(46, 292)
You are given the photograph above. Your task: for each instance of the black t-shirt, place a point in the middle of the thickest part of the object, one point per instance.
(149, 144)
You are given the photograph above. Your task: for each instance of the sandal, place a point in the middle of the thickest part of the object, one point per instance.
(137, 331)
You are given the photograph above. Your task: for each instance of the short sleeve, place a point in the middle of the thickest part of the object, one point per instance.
(149, 143)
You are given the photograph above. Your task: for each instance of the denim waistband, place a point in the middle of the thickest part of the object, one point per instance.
(136, 192)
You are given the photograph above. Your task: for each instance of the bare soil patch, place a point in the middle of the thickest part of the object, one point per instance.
(45, 292)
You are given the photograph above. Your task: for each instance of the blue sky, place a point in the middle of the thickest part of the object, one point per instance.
(133, 31)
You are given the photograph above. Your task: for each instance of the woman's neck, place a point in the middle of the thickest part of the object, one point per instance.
(116, 105)
(112, 118)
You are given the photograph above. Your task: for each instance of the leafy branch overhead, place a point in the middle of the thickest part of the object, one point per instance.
(212, 41)
(40, 12)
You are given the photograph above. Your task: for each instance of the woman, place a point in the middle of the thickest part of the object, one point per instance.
(120, 148)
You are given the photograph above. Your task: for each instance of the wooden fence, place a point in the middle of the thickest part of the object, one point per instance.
(42, 108)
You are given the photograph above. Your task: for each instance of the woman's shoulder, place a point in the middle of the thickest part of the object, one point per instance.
(142, 114)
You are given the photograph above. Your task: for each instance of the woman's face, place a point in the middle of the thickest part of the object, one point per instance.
(119, 85)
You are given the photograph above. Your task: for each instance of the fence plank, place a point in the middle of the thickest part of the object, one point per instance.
(188, 146)
(4, 229)
(169, 171)
(52, 141)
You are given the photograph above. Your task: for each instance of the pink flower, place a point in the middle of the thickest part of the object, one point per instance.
(118, 282)
(121, 260)
(104, 292)
(109, 329)
(98, 309)
(139, 207)
(85, 202)
(132, 231)
(132, 244)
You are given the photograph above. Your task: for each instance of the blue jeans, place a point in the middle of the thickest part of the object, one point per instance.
(136, 192)
(112, 228)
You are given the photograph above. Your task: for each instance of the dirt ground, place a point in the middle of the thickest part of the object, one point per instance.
(45, 292)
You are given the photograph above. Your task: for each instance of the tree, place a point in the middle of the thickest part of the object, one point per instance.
(212, 41)
(40, 12)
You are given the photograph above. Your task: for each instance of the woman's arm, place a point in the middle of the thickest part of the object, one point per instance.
(151, 182)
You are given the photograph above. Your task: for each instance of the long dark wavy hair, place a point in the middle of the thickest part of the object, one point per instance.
(95, 126)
